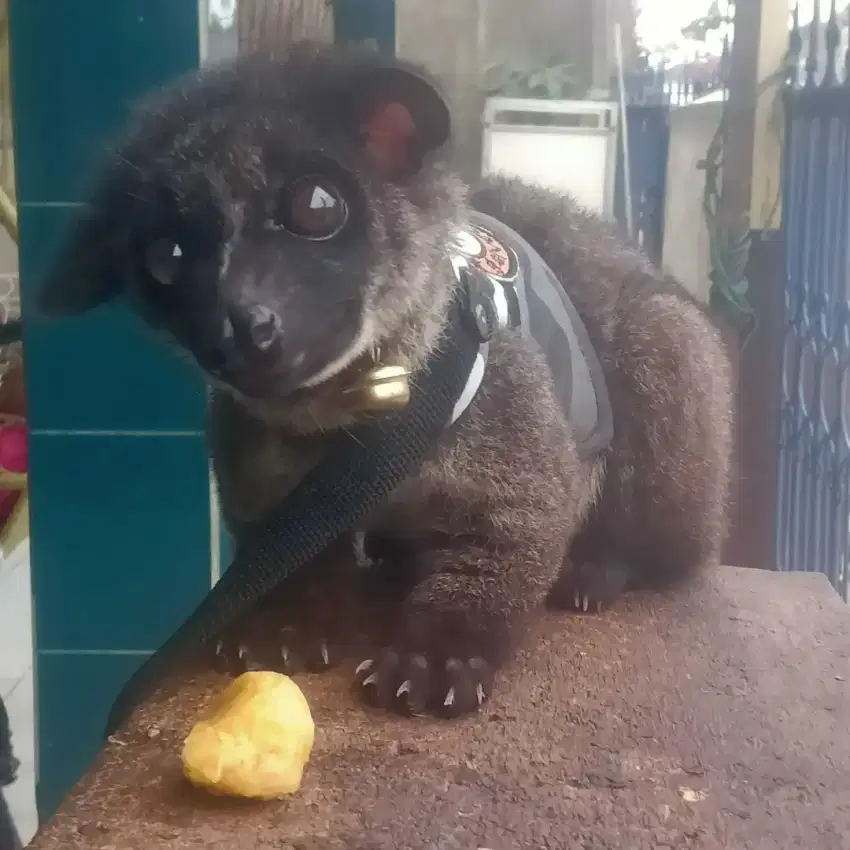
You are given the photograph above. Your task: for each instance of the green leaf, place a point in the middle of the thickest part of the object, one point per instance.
(740, 287)
(549, 80)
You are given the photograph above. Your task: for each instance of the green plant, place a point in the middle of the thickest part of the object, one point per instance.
(557, 80)
(711, 21)
(730, 240)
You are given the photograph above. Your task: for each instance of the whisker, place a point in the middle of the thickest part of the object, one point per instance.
(319, 427)
(126, 161)
(353, 436)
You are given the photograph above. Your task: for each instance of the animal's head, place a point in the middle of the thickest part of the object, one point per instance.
(279, 218)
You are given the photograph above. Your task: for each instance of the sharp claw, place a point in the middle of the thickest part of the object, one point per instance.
(577, 600)
(599, 607)
(325, 656)
(479, 693)
(242, 652)
(370, 680)
(360, 556)
(284, 654)
(219, 647)
(363, 666)
(450, 698)
(404, 689)
(585, 604)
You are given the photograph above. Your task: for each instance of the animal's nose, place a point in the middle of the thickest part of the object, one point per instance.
(252, 328)
(246, 333)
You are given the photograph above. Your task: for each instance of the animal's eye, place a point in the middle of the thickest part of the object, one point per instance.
(311, 207)
(162, 259)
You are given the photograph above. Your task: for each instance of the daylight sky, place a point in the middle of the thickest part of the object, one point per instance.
(661, 21)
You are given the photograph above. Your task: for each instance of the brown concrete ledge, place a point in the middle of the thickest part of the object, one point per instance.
(719, 718)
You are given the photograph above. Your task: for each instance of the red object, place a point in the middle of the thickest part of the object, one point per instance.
(13, 447)
(13, 458)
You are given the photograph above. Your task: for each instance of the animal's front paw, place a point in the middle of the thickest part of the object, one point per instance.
(413, 683)
(593, 586)
(288, 650)
(305, 625)
(441, 663)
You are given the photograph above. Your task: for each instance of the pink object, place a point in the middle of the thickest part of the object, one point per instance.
(13, 447)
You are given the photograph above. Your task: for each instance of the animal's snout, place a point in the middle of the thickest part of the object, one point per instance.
(247, 333)
(252, 328)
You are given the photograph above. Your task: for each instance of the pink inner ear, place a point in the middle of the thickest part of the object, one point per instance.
(388, 134)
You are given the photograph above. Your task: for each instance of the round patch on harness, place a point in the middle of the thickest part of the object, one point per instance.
(486, 253)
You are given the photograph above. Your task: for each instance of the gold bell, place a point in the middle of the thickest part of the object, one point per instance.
(384, 388)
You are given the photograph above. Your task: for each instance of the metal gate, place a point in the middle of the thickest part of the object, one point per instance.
(649, 138)
(813, 504)
(650, 95)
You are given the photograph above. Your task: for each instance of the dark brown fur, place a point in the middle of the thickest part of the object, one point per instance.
(505, 515)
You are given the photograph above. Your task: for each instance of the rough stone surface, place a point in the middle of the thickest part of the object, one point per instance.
(716, 718)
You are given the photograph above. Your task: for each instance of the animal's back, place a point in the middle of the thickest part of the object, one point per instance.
(662, 511)
(597, 267)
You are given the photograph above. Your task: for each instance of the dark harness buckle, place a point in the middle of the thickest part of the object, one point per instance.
(480, 314)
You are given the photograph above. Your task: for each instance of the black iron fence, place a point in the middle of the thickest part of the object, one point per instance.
(813, 503)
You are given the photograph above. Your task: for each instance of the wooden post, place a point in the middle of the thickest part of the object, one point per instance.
(449, 37)
(271, 23)
(751, 194)
(752, 157)
(603, 48)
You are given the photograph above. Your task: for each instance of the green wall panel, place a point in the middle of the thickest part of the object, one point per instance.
(122, 541)
(120, 506)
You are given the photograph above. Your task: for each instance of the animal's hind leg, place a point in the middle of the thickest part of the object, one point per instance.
(662, 511)
(591, 578)
(651, 545)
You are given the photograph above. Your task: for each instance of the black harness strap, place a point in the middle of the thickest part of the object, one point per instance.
(357, 475)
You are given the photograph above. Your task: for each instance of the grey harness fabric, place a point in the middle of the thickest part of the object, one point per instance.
(527, 297)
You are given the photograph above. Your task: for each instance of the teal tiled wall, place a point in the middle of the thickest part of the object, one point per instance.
(125, 537)
(120, 500)
(75, 361)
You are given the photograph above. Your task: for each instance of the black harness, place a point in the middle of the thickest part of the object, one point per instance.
(502, 283)
(517, 290)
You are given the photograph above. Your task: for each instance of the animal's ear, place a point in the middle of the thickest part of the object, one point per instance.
(86, 272)
(402, 118)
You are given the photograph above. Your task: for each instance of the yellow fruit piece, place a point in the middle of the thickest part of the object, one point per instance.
(253, 741)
